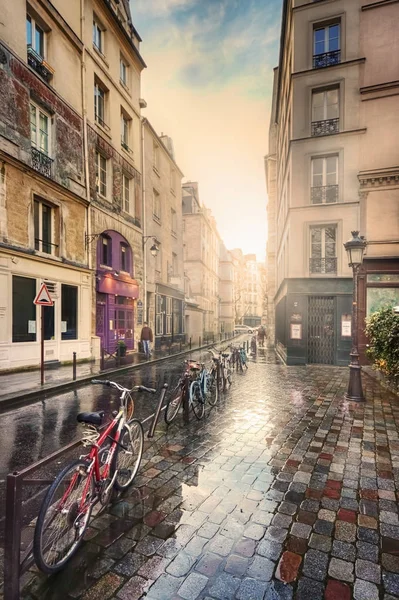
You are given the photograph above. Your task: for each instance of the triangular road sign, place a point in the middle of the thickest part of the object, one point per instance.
(43, 298)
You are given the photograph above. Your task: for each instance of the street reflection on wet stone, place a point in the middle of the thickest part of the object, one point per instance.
(274, 495)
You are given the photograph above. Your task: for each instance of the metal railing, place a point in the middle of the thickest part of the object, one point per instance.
(101, 121)
(41, 162)
(327, 194)
(323, 265)
(326, 59)
(45, 246)
(125, 146)
(325, 127)
(38, 64)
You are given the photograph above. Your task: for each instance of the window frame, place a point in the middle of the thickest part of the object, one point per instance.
(38, 219)
(173, 222)
(124, 252)
(39, 112)
(75, 335)
(98, 27)
(156, 202)
(126, 124)
(155, 157)
(106, 242)
(324, 158)
(34, 26)
(99, 170)
(323, 227)
(100, 93)
(31, 308)
(327, 39)
(124, 82)
(130, 210)
(324, 91)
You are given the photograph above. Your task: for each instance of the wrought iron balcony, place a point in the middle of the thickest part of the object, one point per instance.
(41, 162)
(327, 194)
(125, 146)
(327, 59)
(46, 246)
(326, 127)
(101, 121)
(323, 265)
(38, 63)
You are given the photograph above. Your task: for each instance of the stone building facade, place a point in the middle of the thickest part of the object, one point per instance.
(226, 290)
(164, 301)
(201, 257)
(320, 127)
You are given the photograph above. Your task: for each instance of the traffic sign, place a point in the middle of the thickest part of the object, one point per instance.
(43, 298)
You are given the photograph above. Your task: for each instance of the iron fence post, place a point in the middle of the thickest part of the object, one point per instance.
(190, 342)
(12, 537)
(199, 342)
(158, 410)
(74, 366)
(186, 404)
(102, 363)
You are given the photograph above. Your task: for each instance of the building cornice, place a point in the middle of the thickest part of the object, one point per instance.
(361, 130)
(311, 4)
(29, 253)
(125, 34)
(378, 4)
(392, 87)
(344, 63)
(379, 178)
(62, 24)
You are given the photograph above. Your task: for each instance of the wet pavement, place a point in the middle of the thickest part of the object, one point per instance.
(284, 491)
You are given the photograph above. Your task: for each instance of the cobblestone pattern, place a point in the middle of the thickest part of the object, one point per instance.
(284, 491)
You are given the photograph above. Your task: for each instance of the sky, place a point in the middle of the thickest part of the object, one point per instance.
(208, 85)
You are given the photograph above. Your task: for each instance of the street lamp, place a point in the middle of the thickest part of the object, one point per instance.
(355, 249)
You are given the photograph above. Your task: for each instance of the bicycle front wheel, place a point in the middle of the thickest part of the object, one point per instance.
(196, 400)
(63, 517)
(127, 457)
(173, 404)
(213, 388)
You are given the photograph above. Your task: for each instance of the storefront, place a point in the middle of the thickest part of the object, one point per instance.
(169, 316)
(116, 291)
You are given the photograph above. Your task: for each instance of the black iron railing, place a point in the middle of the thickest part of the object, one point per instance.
(45, 246)
(101, 121)
(41, 162)
(327, 59)
(326, 127)
(126, 147)
(38, 64)
(327, 194)
(323, 265)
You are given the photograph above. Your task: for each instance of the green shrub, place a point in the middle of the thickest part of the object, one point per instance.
(382, 329)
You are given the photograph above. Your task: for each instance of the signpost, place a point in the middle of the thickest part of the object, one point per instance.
(42, 299)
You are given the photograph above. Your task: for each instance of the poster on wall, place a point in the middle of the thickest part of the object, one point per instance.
(346, 326)
(296, 331)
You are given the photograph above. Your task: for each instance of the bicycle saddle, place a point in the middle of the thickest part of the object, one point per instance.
(93, 418)
(225, 354)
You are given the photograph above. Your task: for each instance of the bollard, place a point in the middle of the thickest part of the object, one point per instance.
(199, 342)
(74, 366)
(102, 363)
(247, 345)
(190, 342)
(186, 403)
(157, 412)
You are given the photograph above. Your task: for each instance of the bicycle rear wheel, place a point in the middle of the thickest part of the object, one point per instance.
(213, 387)
(173, 404)
(127, 457)
(196, 400)
(63, 517)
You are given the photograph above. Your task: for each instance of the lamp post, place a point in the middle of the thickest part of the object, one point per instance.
(154, 251)
(355, 249)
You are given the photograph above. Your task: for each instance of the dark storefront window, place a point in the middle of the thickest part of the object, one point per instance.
(48, 313)
(281, 325)
(23, 309)
(69, 312)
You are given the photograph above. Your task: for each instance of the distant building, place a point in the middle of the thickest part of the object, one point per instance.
(201, 258)
(249, 289)
(226, 290)
(164, 306)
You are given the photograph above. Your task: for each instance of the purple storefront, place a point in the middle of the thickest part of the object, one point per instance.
(116, 291)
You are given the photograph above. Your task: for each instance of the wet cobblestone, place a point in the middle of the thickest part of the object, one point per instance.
(283, 492)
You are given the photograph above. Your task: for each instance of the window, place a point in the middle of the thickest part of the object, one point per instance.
(101, 174)
(98, 36)
(125, 125)
(175, 265)
(173, 221)
(382, 290)
(124, 258)
(123, 70)
(99, 103)
(326, 46)
(69, 312)
(156, 206)
(39, 129)
(35, 36)
(23, 309)
(168, 316)
(325, 112)
(106, 251)
(323, 242)
(43, 226)
(128, 194)
(2, 187)
(155, 156)
(159, 315)
(324, 180)
(158, 264)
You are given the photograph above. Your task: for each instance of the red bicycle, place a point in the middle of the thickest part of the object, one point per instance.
(112, 462)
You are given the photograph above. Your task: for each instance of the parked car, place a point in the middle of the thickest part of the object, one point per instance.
(243, 329)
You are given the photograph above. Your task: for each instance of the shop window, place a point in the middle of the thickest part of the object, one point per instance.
(168, 316)
(382, 290)
(23, 309)
(69, 312)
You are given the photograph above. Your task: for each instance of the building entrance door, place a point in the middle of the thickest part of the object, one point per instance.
(321, 330)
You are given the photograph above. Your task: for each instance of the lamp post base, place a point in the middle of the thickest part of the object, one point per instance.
(355, 390)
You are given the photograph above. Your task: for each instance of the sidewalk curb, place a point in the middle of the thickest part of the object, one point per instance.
(19, 399)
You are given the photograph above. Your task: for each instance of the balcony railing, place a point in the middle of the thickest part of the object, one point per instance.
(327, 194)
(101, 121)
(45, 246)
(326, 127)
(125, 146)
(323, 265)
(327, 59)
(38, 63)
(41, 162)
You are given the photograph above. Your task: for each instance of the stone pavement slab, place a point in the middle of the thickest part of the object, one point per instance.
(284, 491)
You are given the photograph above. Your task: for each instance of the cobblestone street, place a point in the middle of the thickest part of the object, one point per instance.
(283, 491)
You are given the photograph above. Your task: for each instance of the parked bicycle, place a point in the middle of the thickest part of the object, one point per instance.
(223, 361)
(205, 386)
(239, 358)
(182, 390)
(112, 462)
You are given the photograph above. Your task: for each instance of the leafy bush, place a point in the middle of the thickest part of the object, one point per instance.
(382, 329)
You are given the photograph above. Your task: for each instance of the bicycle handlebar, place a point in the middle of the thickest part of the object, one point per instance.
(136, 388)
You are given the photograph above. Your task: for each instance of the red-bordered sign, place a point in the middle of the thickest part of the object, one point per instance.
(43, 298)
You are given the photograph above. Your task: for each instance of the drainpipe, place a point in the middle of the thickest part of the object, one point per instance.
(144, 225)
(85, 140)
